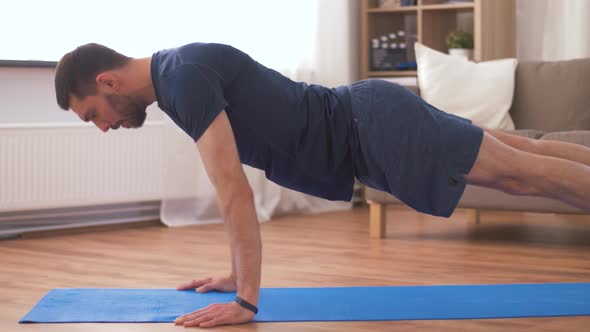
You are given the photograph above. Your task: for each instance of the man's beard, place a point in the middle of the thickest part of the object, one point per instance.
(131, 110)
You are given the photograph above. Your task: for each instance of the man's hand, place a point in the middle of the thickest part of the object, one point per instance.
(216, 314)
(223, 284)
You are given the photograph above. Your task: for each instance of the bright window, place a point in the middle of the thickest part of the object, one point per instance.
(278, 33)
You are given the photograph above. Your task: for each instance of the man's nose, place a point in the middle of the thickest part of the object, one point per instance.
(103, 126)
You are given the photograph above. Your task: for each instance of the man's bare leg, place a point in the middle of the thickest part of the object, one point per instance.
(503, 167)
(565, 150)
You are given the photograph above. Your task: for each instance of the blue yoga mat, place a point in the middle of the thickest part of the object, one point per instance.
(321, 304)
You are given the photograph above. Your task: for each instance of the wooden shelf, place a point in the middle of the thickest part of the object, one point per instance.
(392, 73)
(392, 10)
(492, 23)
(448, 6)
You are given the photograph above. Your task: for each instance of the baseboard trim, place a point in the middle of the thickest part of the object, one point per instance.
(84, 218)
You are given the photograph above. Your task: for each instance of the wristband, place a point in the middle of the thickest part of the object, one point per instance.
(246, 304)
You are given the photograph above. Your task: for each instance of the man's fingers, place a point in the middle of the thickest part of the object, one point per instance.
(193, 284)
(190, 318)
(198, 320)
(205, 288)
(204, 318)
(192, 315)
(221, 320)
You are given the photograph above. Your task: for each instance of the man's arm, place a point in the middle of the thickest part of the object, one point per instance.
(220, 156)
(236, 200)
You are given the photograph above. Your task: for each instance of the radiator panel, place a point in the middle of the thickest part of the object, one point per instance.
(76, 165)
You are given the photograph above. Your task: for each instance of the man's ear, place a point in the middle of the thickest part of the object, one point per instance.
(108, 81)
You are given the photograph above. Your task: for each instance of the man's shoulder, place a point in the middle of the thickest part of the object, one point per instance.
(214, 56)
(206, 47)
(204, 53)
(196, 66)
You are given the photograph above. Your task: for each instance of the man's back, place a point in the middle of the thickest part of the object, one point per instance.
(297, 133)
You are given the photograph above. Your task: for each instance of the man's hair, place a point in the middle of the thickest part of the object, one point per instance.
(76, 71)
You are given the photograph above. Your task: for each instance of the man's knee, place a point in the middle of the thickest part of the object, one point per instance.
(503, 167)
(516, 141)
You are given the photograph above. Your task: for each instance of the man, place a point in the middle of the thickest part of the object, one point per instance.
(308, 138)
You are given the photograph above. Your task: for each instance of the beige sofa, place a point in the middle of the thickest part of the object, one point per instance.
(551, 102)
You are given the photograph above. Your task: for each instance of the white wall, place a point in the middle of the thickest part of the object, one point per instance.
(529, 27)
(27, 95)
(338, 42)
(552, 30)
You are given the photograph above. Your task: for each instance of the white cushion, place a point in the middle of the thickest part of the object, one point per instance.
(481, 92)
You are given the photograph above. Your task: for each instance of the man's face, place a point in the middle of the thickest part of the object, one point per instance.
(110, 111)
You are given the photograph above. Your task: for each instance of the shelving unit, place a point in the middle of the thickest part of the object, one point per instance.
(492, 22)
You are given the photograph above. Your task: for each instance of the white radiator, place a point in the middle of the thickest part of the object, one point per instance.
(69, 166)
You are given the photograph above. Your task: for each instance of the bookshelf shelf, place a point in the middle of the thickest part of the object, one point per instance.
(492, 23)
(448, 6)
(392, 9)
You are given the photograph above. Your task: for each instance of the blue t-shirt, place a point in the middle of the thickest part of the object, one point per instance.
(297, 133)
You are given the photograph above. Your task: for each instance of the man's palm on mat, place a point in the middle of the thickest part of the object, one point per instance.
(214, 314)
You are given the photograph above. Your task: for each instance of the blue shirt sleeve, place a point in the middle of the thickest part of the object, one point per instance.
(198, 98)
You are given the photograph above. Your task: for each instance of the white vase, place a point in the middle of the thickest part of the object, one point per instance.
(461, 52)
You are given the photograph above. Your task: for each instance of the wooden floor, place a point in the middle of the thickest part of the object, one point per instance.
(309, 251)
